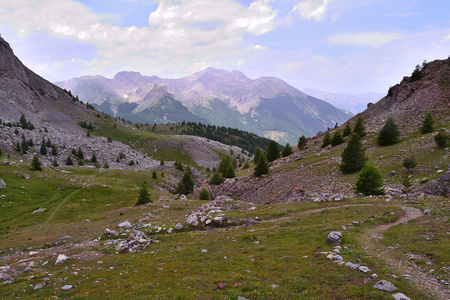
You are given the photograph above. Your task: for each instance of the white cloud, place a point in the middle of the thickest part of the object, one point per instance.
(364, 39)
(182, 36)
(312, 9)
(257, 48)
(447, 37)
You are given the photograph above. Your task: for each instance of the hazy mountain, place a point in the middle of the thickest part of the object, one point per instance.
(354, 103)
(267, 106)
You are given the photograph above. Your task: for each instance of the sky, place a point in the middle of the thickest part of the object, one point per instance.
(342, 46)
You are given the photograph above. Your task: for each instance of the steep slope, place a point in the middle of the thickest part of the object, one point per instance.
(409, 101)
(219, 97)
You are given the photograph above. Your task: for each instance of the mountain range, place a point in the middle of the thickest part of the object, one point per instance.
(267, 106)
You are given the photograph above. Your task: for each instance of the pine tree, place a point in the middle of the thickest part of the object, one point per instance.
(370, 181)
(94, 158)
(326, 140)
(179, 165)
(55, 163)
(69, 161)
(36, 164)
(301, 142)
(347, 130)
(54, 150)
(273, 152)
(216, 179)
(353, 156)
(186, 184)
(43, 149)
(287, 150)
(24, 145)
(204, 194)
(154, 175)
(428, 123)
(409, 162)
(229, 172)
(337, 139)
(262, 167)
(105, 165)
(389, 133)
(80, 154)
(359, 127)
(143, 195)
(441, 139)
(258, 153)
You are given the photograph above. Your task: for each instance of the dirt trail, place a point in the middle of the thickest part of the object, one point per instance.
(403, 267)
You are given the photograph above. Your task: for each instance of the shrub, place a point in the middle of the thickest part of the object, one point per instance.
(204, 194)
(179, 165)
(105, 165)
(154, 175)
(389, 133)
(143, 195)
(353, 156)
(370, 181)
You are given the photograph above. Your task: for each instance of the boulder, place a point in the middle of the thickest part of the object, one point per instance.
(192, 220)
(125, 224)
(61, 259)
(179, 226)
(384, 285)
(26, 176)
(334, 237)
(2, 184)
(5, 162)
(400, 296)
(352, 265)
(5, 276)
(364, 269)
(219, 219)
(67, 287)
(251, 222)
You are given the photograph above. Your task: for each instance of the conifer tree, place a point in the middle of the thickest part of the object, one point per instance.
(262, 167)
(410, 162)
(69, 161)
(258, 153)
(441, 139)
(287, 150)
(347, 130)
(179, 165)
(154, 175)
(105, 165)
(229, 172)
(36, 164)
(80, 154)
(25, 146)
(55, 163)
(204, 194)
(353, 156)
(428, 123)
(326, 140)
(370, 181)
(143, 195)
(301, 142)
(94, 158)
(186, 185)
(389, 133)
(273, 152)
(359, 127)
(54, 150)
(337, 138)
(216, 179)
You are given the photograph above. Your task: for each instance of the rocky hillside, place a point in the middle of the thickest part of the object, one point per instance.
(55, 115)
(266, 106)
(409, 101)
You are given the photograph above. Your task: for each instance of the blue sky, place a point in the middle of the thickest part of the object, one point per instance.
(343, 46)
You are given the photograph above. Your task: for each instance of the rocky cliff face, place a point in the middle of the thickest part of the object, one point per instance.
(409, 101)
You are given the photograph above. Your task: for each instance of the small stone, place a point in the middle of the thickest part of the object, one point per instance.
(374, 276)
(2, 184)
(384, 285)
(67, 287)
(427, 211)
(38, 287)
(192, 220)
(338, 257)
(5, 162)
(179, 226)
(400, 296)
(31, 253)
(5, 276)
(39, 210)
(203, 250)
(241, 298)
(26, 176)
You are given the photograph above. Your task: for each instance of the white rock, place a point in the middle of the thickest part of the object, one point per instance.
(61, 258)
(384, 285)
(400, 296)
(364, 269)
(192, 220)
(67, 287)
(125, 224)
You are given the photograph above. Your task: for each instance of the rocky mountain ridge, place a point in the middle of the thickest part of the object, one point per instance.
(266, 106)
